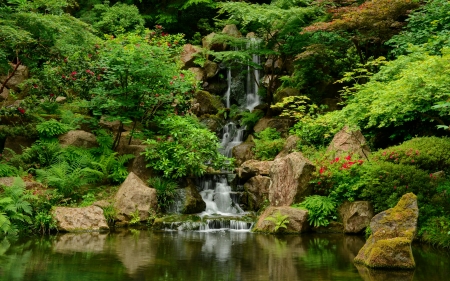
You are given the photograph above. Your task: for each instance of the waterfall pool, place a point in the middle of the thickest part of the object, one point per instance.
(199, 255)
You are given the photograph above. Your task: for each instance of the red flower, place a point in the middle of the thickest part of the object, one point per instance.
(73, 73)
(322, 169)
(318, 183)
(348, 158)
(63, 76)
(181, 75)
(52, 95)
(35, 86)
(21, 110)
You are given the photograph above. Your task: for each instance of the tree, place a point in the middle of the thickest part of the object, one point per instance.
(138, 80)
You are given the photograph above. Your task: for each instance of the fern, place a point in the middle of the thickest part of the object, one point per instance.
(320, 209)
(279, 220)
(7, 170)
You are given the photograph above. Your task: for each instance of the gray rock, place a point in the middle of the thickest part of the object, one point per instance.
(290, 179)
(257, 189)
(348, 141)
(188, 200)
(79, 219)
(356, 215)
(78, 138)
(289, 146)
(134, 195)
(188, 55)
(243, 152)
(251, 168)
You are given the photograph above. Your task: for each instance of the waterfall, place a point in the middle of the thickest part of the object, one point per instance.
(231, 137)
(218, 200)
(228, 92)
(253, 78)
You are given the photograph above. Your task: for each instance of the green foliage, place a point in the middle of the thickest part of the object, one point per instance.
(428, 26)
(117, 19)
(15, 208)
(249, 119)
(135, 218)
(268, 143)
(320, 209)
(165, 191)
(183, 148)
(110, 214)
(436, 231)
(52, 128)
(44, 222)
(112, 167)
(7, 170)
(88, 199)
(430, 154)
(41, 154)
(279, 220)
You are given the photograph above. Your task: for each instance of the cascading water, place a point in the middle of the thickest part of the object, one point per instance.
(231, 137)
(253, 78)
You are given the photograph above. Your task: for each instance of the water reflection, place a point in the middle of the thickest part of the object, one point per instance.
(221, 255)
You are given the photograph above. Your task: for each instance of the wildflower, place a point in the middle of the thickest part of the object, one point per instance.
(35, 86)
(73, 73)
(348, 158)
(52, 95)
(21, 110)
(322, 169)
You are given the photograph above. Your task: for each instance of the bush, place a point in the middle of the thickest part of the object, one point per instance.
(52, 128)
(436, 231)
(268, 143)
(165, 191)
(184, 148)
(321, 209)
(427, 153)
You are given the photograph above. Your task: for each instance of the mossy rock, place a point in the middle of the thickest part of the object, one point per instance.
(207, 103)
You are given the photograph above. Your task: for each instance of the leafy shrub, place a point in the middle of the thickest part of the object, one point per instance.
(249, 119)
(436, 231)
(339, 178)
(41, 154)
(184, 148)
(88, 200)
(427, 153)
(52, 128)
(268, 143)
(7, 170)
(279, 220)
(165, 190)
(110, 214)
(44, 222)
(15, 207)
(320, 209)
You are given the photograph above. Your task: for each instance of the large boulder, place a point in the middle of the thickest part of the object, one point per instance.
(188, 55)
(211, 69)
(19, 76)
(199, 73)
(289, 146)
(188, 200)
(209, 44)
(78, 138)
(79, 219)
(393, 230)
(232, 30)
(282, 125)
(350, 142)
(134, 195)
(212, 122)
(137, 165)
(257, 189)
(298, 220)
(356, 215)
(244, 151)
(290, 179)
(284, 93)
(253, 168)
(207, 103)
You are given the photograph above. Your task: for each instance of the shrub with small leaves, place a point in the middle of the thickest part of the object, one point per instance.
(321, 209)
(268, 143)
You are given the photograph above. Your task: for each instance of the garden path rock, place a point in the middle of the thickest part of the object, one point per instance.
(290, 179)
(348, 141)
(356, 215)
(257, 189)
(78, 138)
(298, 220)
(393, 230)
(79, 219)
(134, 195)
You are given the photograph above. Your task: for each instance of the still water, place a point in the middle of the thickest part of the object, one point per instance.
(198, 256)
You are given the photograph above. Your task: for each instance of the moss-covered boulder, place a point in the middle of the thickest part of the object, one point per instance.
(189, 200)
(257, 189)
(271, 221)
(205, 103)
(244, 151)
(393, 230)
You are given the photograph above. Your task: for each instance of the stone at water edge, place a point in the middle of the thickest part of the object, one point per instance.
(189, 200)
(393, 230)
(356, 215)
(257, 189)
(298, 220)
(290, 179)
(79, 219)
(134, 195)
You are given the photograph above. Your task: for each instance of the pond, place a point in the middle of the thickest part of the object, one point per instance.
(211, 256)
